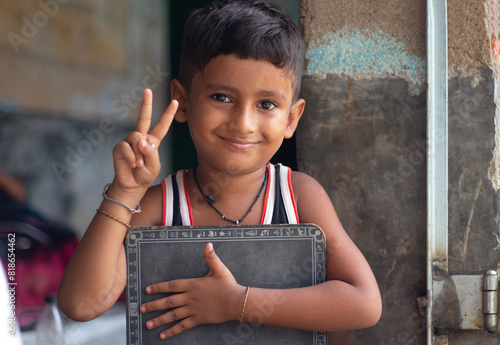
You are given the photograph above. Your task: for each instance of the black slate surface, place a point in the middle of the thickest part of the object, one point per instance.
(267, 256)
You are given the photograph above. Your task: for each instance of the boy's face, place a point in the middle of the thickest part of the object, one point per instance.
(238, 111)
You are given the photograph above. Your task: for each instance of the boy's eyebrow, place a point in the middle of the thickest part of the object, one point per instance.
(275, 94)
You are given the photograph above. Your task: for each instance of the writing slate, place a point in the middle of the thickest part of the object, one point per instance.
(266, 256)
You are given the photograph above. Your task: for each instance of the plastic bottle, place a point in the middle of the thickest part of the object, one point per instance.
(50, 328)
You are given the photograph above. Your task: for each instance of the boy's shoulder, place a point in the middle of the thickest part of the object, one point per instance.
(313, 203)
(304, 185)
(302, 178)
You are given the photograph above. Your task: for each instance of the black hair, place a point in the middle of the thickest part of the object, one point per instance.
(250, 29)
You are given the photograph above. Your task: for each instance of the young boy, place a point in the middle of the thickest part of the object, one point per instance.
(238, 91)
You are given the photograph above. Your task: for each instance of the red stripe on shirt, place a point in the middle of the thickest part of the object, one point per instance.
(266, 196)
(289, 178)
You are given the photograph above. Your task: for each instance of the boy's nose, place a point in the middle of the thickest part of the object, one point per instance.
(243, 120)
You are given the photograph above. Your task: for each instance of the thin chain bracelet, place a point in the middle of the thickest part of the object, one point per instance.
(114, 218)
(118, 202)
(244, 304)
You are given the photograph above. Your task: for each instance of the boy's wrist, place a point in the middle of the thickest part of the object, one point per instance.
(135, 210)
(242, 314)
(128, 197)
(240, 303)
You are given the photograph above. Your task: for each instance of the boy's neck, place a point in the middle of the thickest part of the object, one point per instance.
(211, 200)
(236, 196)
(222, 185)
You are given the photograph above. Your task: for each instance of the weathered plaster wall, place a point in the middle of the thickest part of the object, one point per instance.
(492, 20)
(473, 207)
(363, 136)
(364, 140)
(468, 41)
(357, 39)
(475, 138)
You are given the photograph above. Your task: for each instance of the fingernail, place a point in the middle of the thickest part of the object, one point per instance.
(148, 289)
(140, 163)
(153, 146)
(143, 309)
(163, 336)
(149, 324)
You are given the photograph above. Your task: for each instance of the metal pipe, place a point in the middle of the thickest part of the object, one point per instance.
(437, 147)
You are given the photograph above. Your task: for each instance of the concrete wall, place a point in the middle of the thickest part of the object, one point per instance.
(363, 136)
(73, 74)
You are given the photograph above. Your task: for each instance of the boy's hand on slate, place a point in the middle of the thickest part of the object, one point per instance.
(136, 158)
(215, 298)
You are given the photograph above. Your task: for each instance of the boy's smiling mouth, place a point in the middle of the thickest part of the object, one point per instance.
(239, 143)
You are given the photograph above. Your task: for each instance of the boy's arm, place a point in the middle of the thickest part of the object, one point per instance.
(96, 274)
(349, 299)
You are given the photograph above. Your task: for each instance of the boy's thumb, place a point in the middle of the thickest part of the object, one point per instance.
(213, 261)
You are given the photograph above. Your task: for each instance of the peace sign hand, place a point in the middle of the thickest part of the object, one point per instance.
(136, 158)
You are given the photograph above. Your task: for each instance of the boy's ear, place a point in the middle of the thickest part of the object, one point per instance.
(178, 92)
(294, 117)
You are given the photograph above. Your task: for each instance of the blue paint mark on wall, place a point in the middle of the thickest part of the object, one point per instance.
(365, 54)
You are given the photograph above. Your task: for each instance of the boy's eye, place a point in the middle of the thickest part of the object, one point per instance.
(267, 105)
(219, 97)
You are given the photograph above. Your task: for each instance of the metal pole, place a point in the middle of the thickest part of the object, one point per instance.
(437, 149)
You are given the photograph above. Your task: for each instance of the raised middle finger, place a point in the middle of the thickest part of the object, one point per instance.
(161, 128)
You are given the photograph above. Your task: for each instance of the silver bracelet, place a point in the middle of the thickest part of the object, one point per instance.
(107, 198)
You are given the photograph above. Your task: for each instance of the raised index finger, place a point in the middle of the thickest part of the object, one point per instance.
(161, 128)
(144, 120)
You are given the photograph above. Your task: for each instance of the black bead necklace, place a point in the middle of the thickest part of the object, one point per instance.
(211, 200)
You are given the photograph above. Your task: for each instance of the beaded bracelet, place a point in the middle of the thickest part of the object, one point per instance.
(244, 304)
(118, 202)
(113, 217)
